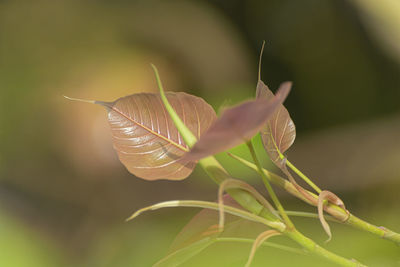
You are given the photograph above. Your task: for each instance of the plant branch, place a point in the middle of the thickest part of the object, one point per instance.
(187, 135)
(268, 186)
(297, 171)
(245, 199)
(209, 205)
(337, 212)
(309, 215)
(266, 243)
(303, 176)
(315, 249)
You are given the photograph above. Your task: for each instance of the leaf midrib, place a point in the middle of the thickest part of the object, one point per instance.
(151, 131)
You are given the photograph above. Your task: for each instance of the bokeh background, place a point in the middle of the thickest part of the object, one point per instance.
(64, 196)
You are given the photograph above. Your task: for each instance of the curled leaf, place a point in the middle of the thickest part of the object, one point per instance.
(257, 243)
(182, 255)
(145, 137)
(210, 205)
(296, 190)
(304, 193)
(234, 183)
(203, 226)
(332, 198)
(279, 133)
(237, 124)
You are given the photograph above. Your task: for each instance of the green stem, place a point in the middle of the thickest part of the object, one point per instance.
(334, 210)
(297, 171)
(186, 134)
(209, 205)
(268, 186)
(309, 215)
(267, 244)
(245, 199)
(212, 167)
(303, 176)
(380, 231)
(217, 173)
(317, 250)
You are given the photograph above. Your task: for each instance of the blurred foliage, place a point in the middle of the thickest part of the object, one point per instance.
(20, 246)
(63, 193)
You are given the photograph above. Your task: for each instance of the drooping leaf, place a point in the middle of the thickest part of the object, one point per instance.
(203, 227)
(180, 256)
(235, 183)
(213, 206)
(332, 198)
(279, 133)
(261, 238)
(237, 124)
(305, 193)
(203, 224)
(146, 139)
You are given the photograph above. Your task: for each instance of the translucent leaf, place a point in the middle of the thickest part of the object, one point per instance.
(203, 227)
(332, 198)
(205, 224)
(202, 231)
(180, 256)
(146, 139)
(261, 238)
(279, 133)
(235, 183)
(237, 124)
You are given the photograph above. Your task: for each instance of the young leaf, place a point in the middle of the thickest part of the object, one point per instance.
(279, 132)
(180, 256)
(235, 183)
(331, 197)
(203, 224)
(306, 194)
(258, 242)
(237, 124)
(146, 139)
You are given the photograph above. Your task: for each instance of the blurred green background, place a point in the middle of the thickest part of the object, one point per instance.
(64, 196)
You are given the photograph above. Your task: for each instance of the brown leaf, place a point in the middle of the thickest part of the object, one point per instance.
(205, 224)
(146, 139)
(279, 132)
(237, 124)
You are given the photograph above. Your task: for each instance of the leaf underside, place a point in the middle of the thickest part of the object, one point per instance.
(145, 137)
(236, 125)
(279, 133)
(203, 228)
(203, 224)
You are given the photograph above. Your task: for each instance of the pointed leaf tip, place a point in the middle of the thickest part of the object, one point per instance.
(145, 137)
(283, 90)
(279, 133)
(261, 238)
(80, 100)
(237, 124)
(332, 198)
(107, 105)
(260, 60)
